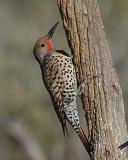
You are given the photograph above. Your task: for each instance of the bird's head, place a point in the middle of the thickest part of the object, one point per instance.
(44, 44)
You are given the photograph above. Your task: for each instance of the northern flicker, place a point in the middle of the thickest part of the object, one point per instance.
(59, 77)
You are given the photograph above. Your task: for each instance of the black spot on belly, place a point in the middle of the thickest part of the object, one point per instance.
(53, 78)
(56, 73)
(57, 82)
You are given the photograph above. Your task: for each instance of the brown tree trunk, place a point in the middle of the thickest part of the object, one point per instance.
(102, 99)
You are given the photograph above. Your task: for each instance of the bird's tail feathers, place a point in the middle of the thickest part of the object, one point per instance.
(65, 130)
(84, 140)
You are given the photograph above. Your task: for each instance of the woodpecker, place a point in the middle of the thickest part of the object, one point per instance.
(59, 77)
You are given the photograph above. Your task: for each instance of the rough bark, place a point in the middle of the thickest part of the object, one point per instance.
(102, 98)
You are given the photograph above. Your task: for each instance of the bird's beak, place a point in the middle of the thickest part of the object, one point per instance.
(52, 30)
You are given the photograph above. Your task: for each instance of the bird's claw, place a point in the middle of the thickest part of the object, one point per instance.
(82, 85)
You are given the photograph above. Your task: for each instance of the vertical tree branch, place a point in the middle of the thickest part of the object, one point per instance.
(102, 99)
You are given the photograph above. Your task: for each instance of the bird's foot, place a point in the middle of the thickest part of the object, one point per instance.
(84, 83)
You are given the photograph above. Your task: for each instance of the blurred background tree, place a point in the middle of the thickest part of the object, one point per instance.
(22, 94)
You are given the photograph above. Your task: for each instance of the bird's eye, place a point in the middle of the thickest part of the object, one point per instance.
(42, 45)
